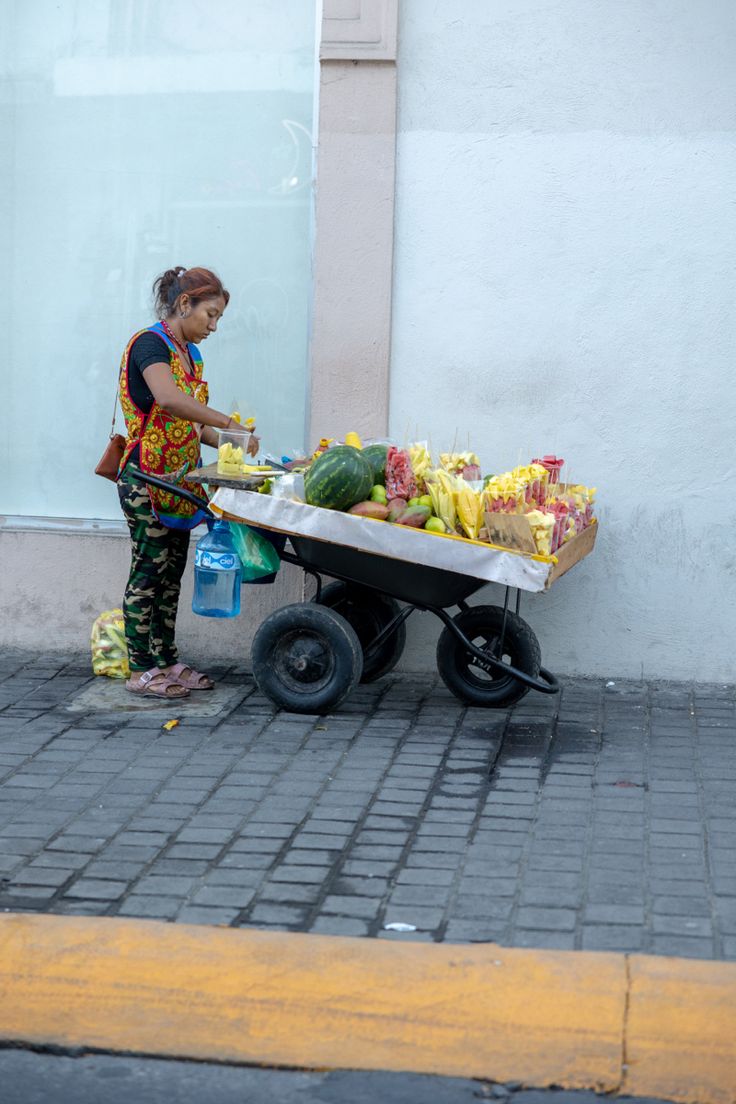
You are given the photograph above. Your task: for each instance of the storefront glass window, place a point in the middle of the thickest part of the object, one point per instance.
(136, 135)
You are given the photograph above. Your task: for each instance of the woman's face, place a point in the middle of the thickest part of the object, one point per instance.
(202, 317)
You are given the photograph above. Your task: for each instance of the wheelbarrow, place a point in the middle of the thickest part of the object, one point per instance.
(308, 656)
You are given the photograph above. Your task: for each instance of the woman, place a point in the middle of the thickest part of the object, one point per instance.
(164, 400)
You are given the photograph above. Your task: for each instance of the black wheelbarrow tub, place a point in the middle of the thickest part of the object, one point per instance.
(418, 584)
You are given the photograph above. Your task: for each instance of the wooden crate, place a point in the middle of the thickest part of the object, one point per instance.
(514, 531)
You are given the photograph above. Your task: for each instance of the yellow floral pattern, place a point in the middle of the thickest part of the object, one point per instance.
(166, 444)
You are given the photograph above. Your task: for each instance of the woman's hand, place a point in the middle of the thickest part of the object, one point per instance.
(254, 443)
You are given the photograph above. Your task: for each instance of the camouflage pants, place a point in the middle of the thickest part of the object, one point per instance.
(158, 559)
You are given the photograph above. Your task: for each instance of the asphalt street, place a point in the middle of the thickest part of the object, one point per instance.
(33, 1078)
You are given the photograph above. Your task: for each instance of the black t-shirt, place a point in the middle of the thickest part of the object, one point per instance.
(146, 350)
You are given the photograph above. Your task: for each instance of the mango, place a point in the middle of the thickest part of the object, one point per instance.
(378, 493)
(378, 510)
(396, 508)
(415, 516)
(435, 525)
(425, 500)
(414, 502)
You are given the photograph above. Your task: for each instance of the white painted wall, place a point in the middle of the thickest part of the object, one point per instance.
(564, 281)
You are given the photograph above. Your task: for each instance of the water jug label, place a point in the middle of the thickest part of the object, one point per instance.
(216, 561)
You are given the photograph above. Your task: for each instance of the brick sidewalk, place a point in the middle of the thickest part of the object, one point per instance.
(600, 819)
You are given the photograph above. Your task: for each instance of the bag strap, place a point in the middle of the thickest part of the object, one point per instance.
(114, 412)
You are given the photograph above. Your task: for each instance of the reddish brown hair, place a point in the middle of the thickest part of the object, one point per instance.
(197, 283)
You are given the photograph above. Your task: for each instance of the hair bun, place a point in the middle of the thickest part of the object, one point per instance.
(198, 283)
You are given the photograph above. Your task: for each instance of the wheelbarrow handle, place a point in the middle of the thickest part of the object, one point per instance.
(172, 488)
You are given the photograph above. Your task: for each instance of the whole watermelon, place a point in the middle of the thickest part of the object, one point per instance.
(338, 478)
(376, 457)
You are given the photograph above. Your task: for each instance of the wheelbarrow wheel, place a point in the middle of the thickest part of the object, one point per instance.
(306, 658)
(369, 612)
(482, 625)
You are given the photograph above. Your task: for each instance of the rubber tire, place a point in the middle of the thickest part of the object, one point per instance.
(368, 611)
(473, 686)
(305, 632)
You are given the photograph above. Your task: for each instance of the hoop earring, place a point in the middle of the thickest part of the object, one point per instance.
(184, 314)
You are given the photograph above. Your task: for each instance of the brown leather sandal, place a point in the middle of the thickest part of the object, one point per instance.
(186, 676)
(158, 684)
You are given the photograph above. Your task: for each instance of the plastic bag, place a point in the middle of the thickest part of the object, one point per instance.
(257, 555)
(109, 650)
(289, 486)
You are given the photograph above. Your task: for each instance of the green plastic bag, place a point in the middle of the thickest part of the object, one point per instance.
(257, 555)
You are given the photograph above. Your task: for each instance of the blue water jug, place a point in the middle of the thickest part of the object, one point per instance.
(217, 574)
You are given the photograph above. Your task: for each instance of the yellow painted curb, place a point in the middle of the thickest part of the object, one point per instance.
(311, 1001)
(664, 1027)
(681, 1038)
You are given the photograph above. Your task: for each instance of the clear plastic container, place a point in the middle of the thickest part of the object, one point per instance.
(217, 574)
(232, 446)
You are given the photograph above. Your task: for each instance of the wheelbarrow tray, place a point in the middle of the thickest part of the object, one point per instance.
(425, 569)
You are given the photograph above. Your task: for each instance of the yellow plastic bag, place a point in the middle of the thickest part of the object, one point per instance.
(109, 650)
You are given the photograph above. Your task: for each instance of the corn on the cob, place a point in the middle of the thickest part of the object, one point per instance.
(469, 508)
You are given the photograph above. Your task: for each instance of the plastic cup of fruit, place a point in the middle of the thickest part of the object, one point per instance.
(232, 445)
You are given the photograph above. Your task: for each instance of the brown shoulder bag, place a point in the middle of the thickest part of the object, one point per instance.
(113, 454)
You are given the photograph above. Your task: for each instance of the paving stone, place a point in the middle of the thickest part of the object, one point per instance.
(344, 905)
(279, 915)
(613, 937)
(93, 889)
(198, 914)
(420, 895)
(476, 907)
(432, 860)
(339, 925)
(194, 850)
(423, 918)
(545, 939)
(290, 892)
(66, 860)
(303, 874)
(154, 908)
(546, 919)
(681, 925)
(164, 885)
(680, 906)
(614, 914)
(682, 946)
(426, 876)
(189, 835)
(43, 876)
(241, 860)
(227, 896)
(382, 852)
(316, 841)
(475, 931)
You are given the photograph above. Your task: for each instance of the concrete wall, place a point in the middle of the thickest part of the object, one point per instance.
(54, 584)
(563, 283)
